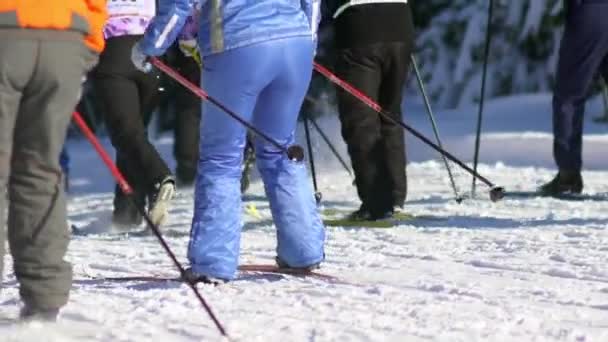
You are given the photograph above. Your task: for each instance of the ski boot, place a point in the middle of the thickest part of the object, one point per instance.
(29, 314)
(283, 265)
(364, 214)
(193, 278)
(160, 199)
(126, 215)
(564, 182)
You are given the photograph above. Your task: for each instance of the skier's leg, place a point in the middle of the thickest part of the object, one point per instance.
(11, 88)
(123, 89)
(393, 180)
(121, 109)
(215, 236)
(361, 124)
(125, 213)
(583, 47)
(38, 230)
(300, 232)
(156, 169)
(187, 122)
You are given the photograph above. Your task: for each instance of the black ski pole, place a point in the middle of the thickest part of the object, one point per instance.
(293, 152)
(331, 146)
(326, 139)
(486, 55)
(128, 191)
(311, 159)
(496, 192)
(429, 111)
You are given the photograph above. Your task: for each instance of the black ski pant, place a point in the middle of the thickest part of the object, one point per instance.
(127, 97)
(187, 118)
(376, 145)
(583, 54)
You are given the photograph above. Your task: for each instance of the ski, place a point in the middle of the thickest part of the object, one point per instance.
(141, 278)
(244, 270)
(339, 218)
(348, 223)
(264, 268)
(563, 197)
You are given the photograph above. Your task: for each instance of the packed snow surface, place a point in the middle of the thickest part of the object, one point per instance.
(517, 270)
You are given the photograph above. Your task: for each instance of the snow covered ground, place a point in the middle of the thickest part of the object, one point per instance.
(518, 270)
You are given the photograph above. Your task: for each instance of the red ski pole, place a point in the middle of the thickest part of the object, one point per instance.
(496, 193)
(294, 152)
(127, 190)
(122, 182)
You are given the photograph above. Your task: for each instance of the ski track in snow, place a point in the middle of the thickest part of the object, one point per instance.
(517, 270)
(480, 273)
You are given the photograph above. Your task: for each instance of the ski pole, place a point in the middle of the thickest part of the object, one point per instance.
(311, 159)
(293, 152)
(486, 54)
(496, 193)
(326, 139)
(604, 95)
(429, 111)
(128, 191)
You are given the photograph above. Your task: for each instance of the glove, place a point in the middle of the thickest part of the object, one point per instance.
(189, 48)
(139, 60)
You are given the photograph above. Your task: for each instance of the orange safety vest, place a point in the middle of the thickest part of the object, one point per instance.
(86, 16)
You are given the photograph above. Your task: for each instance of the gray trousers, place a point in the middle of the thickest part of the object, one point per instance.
(40, 80)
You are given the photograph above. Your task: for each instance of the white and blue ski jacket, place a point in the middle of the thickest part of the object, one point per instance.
(221, 29)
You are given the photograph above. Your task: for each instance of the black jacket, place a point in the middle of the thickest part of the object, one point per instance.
(373, 23)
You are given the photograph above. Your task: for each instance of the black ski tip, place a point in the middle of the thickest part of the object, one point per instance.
(497, 193)
(459, 199)
(295, 153)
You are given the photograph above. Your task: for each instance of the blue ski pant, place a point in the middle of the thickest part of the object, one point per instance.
(265, 84)
(583, 54)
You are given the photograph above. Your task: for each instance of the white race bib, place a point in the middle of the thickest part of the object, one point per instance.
(131, 8)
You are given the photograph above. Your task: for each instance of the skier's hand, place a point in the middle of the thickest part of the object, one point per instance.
(139, 59)
(189, 47)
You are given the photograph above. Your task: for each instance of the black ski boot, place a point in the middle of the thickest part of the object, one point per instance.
(364, 214)
(361, 214)
(125, 214)
(564, 182)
